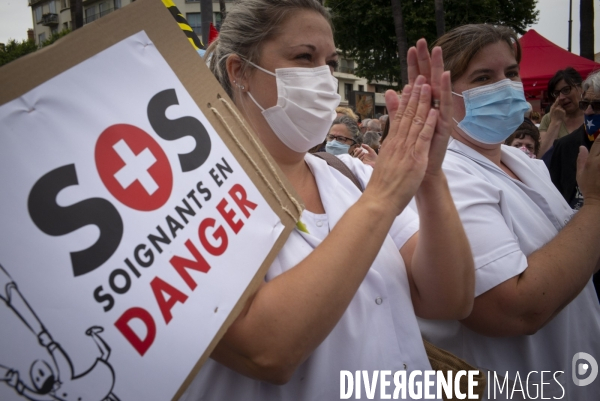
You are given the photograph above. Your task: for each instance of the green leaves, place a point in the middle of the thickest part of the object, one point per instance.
(364, 30)
(13, 49)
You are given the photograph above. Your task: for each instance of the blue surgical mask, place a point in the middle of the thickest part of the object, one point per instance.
(592, 125)
(336, 148)
(493, 112)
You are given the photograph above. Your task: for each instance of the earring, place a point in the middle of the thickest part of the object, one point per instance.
(238, 85)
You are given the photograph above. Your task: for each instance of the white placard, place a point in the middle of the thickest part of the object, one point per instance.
(128, 229)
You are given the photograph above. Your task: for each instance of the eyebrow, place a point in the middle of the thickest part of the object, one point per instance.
(314, 48)
(490, 71)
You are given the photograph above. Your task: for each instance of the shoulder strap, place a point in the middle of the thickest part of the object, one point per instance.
(339, 165)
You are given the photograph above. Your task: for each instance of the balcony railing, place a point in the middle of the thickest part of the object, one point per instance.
(49, 19)
(346, 70)
(94, 17)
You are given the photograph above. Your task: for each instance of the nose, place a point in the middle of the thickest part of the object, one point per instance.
(589, 111)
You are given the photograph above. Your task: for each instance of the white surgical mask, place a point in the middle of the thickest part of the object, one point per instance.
(305, 109)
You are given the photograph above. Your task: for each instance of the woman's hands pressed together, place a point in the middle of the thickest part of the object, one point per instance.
(403, 159)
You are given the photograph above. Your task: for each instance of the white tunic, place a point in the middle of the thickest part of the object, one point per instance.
(505, 221)
(378, 331)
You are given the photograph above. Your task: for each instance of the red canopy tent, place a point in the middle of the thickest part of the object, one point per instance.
(542, 58)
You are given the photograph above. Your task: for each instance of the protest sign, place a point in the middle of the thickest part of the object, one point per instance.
(137, 213)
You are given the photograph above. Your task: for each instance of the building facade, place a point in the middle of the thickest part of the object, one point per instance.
(348, 83)
(53, 16)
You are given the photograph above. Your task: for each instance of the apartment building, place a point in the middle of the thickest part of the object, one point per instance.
(53, 16)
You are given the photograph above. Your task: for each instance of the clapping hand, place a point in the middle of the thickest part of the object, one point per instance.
(431, 67)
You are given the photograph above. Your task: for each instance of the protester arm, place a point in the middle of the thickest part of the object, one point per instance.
(288, 317)
(555, 274)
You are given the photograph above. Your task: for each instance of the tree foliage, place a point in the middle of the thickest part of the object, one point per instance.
(364, 30)
(13, 49)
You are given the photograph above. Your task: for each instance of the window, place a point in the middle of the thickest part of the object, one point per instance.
(52, 7)
(117, 4)
(346, 66)
(361, 88)
(41, 38)
(347, 90)
(195, 21)
(90, 14)
(38, 14)
(218, 21)
(64, 4)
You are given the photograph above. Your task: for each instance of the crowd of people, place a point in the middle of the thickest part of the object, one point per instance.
(450, 235)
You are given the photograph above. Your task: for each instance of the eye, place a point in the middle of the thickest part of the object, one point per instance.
(481, 78)
(512, 74)
(304, 56)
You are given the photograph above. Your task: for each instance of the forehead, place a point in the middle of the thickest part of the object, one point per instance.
(560, 84)
(590, 95)
(525, 139)
(340, 130)
(305, 27)
(496, 55)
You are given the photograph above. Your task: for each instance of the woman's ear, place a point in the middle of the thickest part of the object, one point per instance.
(235, 73)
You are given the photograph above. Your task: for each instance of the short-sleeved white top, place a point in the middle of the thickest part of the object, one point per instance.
(505, 221)
(379, 329)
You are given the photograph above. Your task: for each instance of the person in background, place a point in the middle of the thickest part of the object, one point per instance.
(536, 118)
(525, 138)
(347, 111)
(563, 166)
(371, 139)
(363, 125)
(367, 152)
(383, 120)
(344, 290)
(535, 305)
(344, 135)
(373, 125)
(564, 116)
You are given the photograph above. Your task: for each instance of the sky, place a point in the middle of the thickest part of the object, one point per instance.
(15, 19)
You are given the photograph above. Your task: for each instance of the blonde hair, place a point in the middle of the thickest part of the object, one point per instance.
(248, 25)
(346, 111)
(462, 43)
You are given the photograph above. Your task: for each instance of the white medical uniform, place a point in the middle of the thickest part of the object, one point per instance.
(506, 220)
(379, 329)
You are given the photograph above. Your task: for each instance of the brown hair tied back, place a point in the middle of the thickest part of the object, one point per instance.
(461, 44)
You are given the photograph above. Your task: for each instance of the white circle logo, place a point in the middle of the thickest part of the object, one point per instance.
(580, 368)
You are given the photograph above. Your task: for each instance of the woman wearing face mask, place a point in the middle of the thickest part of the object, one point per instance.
(526, 138)
(535, 306)
(343, 292)
(343, 136)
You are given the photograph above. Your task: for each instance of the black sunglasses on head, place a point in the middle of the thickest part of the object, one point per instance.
(583, 105)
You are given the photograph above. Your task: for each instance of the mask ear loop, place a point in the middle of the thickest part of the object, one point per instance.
(255, 102)
(457, 94)
(263, 156)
